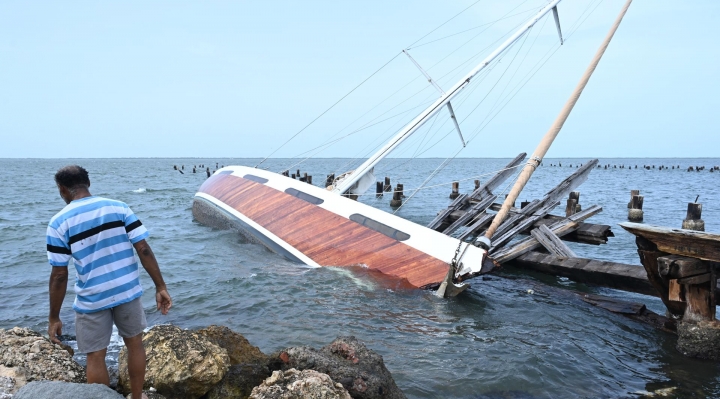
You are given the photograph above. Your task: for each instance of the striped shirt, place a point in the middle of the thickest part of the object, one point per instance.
(97, 233)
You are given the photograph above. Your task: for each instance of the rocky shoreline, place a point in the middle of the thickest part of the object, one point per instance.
(209, 363)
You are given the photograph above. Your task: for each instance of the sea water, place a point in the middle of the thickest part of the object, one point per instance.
(507, 336)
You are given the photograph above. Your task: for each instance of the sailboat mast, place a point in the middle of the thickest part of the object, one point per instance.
(347, 183)
(547, 140)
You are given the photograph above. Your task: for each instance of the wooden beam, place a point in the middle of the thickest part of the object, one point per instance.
(620, 276)
(694, 244)
(676, 266)
(551, 242)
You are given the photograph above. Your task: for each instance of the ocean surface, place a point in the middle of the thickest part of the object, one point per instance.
(496, 340)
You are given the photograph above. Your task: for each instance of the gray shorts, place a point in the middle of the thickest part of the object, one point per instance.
(93, 330)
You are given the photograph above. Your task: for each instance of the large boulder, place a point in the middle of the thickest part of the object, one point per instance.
(65, 390)
(239, 381)
(238, 347)
(249, 365)
(294, 384)
(180, 363)
(346, 360)
(27, 356)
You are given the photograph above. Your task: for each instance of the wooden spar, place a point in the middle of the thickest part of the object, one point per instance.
(547, 141)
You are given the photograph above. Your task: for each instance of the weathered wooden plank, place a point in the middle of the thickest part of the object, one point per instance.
(676, 266)
(474, 210)
(457, 204)
(614, 305)
(480, 223)
(551, 242)
(559, 228)
(495, 181)
(694, 244)
(694, 280)
(606, 274)
(675, 291)
(480, 195)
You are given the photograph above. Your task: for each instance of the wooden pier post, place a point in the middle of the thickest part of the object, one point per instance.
(378, 189)
(632, 193)
(477, 184)
(388, 186)
(693, 220)
(572, 203)
(455, 190)
(635, 213)
(308, 179)
(208, 172)
(396, 200)
(329, 180)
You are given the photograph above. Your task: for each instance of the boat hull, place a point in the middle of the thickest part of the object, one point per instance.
(311, 225)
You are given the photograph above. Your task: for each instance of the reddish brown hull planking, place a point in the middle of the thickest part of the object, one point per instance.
(324, 237)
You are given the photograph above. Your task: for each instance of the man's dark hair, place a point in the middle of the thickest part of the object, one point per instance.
(72, 177)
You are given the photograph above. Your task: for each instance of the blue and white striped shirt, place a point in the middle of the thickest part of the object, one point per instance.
(98, 233)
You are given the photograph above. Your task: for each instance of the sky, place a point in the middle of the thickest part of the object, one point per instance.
(241, 78)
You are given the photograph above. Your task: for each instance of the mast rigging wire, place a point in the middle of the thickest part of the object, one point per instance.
(331, 107)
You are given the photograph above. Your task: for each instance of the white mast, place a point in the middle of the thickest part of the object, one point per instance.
(350, 179)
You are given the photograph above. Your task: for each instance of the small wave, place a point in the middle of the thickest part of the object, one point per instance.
(140, 190)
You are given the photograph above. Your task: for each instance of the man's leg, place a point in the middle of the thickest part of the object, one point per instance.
(97, 372)
(93, 331)
(136, 364)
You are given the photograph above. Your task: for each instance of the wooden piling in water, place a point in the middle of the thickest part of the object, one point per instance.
(477, 184)
(208, 172)
(378, 189)
(388, 186)
(396, 200)
(455, 190)
(693, 219)
(635, 213)
(572, 203)
(632, 193)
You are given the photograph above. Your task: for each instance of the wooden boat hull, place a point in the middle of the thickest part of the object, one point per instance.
(313, 226)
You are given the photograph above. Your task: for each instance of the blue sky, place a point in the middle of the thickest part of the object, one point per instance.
(237, 79)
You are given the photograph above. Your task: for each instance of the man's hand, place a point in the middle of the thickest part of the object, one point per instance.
(55, 329)
(164, 302)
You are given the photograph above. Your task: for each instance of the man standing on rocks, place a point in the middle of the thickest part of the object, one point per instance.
(99, 235)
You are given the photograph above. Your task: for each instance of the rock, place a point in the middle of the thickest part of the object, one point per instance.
(7, 387)
(149, 394)
(180, 363)
(27, 356)
(700, 340)
(238, 348)
(346, 360)
(294, 384)
(239, 381)
(65, 390)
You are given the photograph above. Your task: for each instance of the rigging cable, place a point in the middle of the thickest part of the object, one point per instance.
(326, 111)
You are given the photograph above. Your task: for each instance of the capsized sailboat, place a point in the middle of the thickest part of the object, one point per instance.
(323, 227)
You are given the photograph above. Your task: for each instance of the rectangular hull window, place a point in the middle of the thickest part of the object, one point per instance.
(379, 227)
(303, 196)
(256, 179)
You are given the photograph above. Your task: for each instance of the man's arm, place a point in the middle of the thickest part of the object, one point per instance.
(58, 287)
(147, 258)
